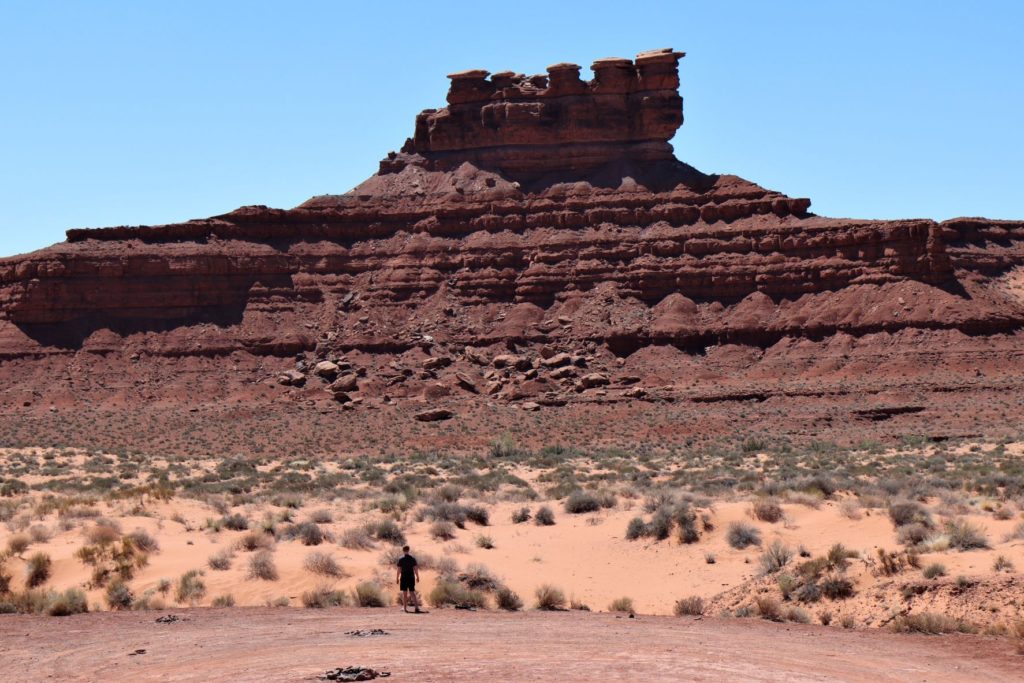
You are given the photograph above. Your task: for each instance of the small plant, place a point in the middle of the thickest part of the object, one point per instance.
(740, 535)
(221, 561)
(621, 605)
(485, 542)
(321, 517)
(776, 556)
(636, 528)
(847, 621)
(322, 564)
(71, 601)
(768, 608)
(836, 587)
(521, 516)
(550, 598)
(544, 517)
(261, 566)
(119, 596)
(508, 600)
(18, 544)
(454, 594)
(442, 530)
(825, 617)
(357, 538)
(934, 570)
(387, 530)
(226, 600)
(931, 623)
(580, 501)
(692, 606)
(767, 510)
(325, 596)
(963, 535)
(907, 512)
(709, 558)
(235, 522)
(252, 541)
(37, 569)
(797, 615)
(369, 594)
(478, 515)
(1002, 564)
(191, 587)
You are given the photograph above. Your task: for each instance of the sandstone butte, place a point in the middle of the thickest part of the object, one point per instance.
(535, 247)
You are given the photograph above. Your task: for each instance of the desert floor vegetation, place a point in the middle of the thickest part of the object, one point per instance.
(848, 535)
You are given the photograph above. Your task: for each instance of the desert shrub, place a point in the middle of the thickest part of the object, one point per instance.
(103, 532)
(261, 566)
(191, 587)
(71, 601)
(621, 605)
(254, 540)
(787, 584)
(119, 596)
(809, 592)
(768, 608)
(692, 606)
(387, 530)
(322, 564)
(143, 541)
(220, 561)
(825, 617)
(447, 512)
(325, 596)
(934, 570)
(357, 538)
(226, 600)
(740, 535)
(776, 556)
(544, 516)
(442, 530)
(479, 577)
(660, 526)
(847, 621)
(913, 534)
(484, 541)
(308, 533)
(797, 615)
(636, 528)
(235, 522)
(455, 594)
(369, 594)
(931, 623)
(448, 493)
(709, 558)
(1002, 564)
(850, 509)
(521, 515)
(767, 510)
(148, 601)
(478, 515)
(906, 512)
(838, 557)
(836, 587)
(549, 598)
(964, 535)
(321, 516)
(508, 600)
(18, 543)
(163, 587)
(37, 569)
(580, 501)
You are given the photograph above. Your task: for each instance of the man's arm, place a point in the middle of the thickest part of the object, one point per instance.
(416, 569)
(398, 575)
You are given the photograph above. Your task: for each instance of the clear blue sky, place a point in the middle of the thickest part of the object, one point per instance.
(150, 112)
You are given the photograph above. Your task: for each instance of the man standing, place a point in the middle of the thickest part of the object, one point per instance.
(408, 575)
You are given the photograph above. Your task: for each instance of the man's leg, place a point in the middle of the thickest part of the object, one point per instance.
(405, 601)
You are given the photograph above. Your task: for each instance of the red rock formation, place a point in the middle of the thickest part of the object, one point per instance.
(546, 214)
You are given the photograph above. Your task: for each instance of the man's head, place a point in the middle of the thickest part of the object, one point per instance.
(405, 549)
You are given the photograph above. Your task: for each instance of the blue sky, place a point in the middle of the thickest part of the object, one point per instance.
(118, 113)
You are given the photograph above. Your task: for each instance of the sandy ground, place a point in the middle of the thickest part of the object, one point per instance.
(265, 644)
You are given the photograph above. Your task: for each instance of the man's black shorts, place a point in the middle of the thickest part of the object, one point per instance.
(407, 583)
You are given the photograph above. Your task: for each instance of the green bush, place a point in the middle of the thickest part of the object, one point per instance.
(369, 594)
(741, 535)
(550, 598)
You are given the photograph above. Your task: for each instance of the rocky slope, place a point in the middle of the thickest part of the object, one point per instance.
(534, 245)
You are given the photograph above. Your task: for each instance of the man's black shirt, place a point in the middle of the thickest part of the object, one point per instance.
(407, 564)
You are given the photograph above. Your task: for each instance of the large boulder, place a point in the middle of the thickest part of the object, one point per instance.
(434, 415)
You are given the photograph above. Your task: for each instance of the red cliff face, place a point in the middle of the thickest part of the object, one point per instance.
(533, 218)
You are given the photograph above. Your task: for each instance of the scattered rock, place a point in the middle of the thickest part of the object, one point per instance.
(530, 405)
(594, 379)
(504, 361)
(353, 673)
(326, 369)
(635, 392)
(437, 362)
(557, 360)
(563, 372)
(348, 382)
(168, 619)
(366, 633)
(291, 378)
(434, 415)
(465, 382)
